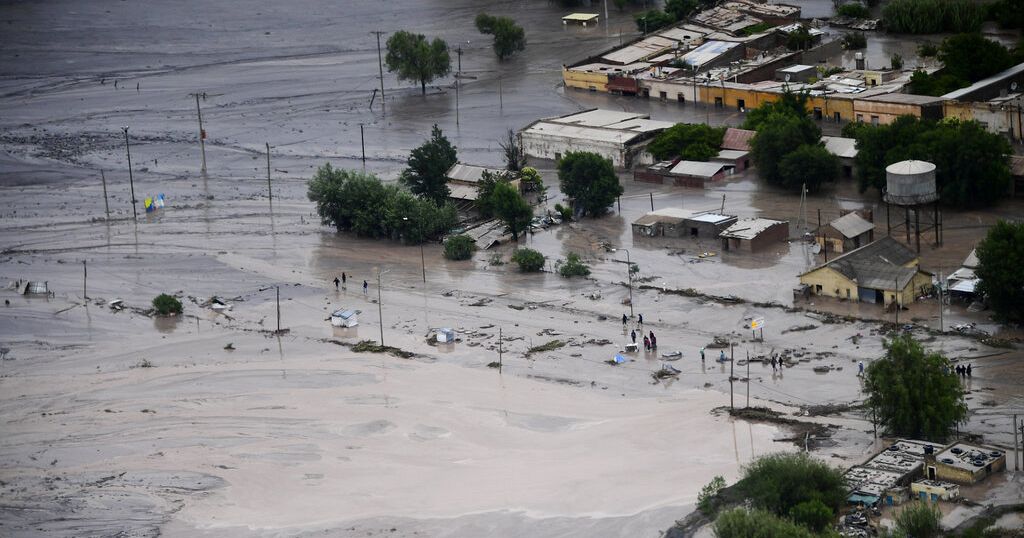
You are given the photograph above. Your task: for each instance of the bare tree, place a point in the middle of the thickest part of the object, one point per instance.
(515, 158)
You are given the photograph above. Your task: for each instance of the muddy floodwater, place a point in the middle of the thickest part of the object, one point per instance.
(214, 423)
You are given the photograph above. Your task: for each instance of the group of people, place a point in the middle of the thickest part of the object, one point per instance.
(963, 371)
(344, 280)
(650, 341)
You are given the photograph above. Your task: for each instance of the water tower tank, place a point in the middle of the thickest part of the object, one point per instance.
(910, 183)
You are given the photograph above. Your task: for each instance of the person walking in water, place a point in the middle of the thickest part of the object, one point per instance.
(366, 287)
(343, 279)
(860, 368)
(625, 320)
(640, 319)
(336, 282)
(647, 344)
(969, 370)
(721, 356)
(654, 341)
(632, 335)
(701, 354)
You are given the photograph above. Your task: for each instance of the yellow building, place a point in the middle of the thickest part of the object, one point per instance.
(585, 80)
(876, 273)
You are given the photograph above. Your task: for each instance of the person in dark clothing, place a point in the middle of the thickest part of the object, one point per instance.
(968, 370)
(640, 319)
(958, 370)
(632, 335)
(654, 341)
(701, 354)
(647, 344)
(625, 320)
(336, 282)
(366, 287)
(343, 279)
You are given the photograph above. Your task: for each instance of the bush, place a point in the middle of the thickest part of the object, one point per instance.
(896, 61)
(529, 260)
(812, 514)
(932, 16)
(166, 305)
(927, 50)
(920, 520)
(652, 20)
(856, 10)
(741, 523)
(572, 266)
(459, 247)
(564, 212)
(855, 41)
(707, 499)
(780, 481)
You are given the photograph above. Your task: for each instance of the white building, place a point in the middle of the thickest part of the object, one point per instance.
(619, 136)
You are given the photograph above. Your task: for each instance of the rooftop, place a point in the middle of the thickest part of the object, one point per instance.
(968, 457)
(469, 173)
(597, 117)
(737, 139)
(877, 265)
(580, 17)
(697, 169)
(845, 148)
(708, 52)
(668, 214)
(905, 98)
(851, 225)
(731, 154)
(964, 92)
(749, 228)
(713, 218)
(645, 48)
(798, 68)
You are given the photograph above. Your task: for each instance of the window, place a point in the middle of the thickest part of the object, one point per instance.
(874, 120)
(860, 118)
(680, 98)
(663, 95)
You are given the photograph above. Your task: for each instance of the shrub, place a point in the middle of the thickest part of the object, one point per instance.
(780, 481)
(932, 16)
(856, 10)
(927, 50)
(896, 61)
(812, 514)
(564, 212)
(572, 266)
(529, 260)
(920, 520)
(459, 247)
(166, 305)
(589, 180)
(707, 499)
(741, 523)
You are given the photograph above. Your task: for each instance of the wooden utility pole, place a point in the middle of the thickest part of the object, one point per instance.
(362, 142)
(202, 132)
(732, 363)
(278, 288)
(501, 103)
(85, 280)
(748, 379)
(131, 179)
(896, 301)
(380, 66)
(106, 202)
(499, 369)
(458, 75)
(270, 194)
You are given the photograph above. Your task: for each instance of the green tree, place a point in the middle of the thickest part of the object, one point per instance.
(779, 482)
(459, 247)
(812, 514)
(529, 260)
(572, 266)
(779, 136)
(856, 10)
(691, 141)
(743, 523)
(509, 37)
(913, 393)
(810, 165)
(485, 189)
(589, 180)
(972, 57)
(652, 20)
(166, 305)
(428, 166)
(1001, 270)
(707, 499)
(532, 180)
(919, 520)
(511, 208)
(681, 9)
(799, 39)
(789, 103)
(415, 59)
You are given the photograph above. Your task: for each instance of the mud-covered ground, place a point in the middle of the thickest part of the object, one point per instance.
(114, 421)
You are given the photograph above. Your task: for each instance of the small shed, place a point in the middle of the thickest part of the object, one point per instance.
(462, 180)
(36, 288)
(964, 463)
(845, 149)
(796, 73)
(667, 222)
(708, 225)
(754, 234)
(934, 490)
(695, 173)
(848, 232)
(735, 160)
(344, 318)
(583, 19)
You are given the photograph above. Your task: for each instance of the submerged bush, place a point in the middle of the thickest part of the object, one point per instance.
(459, 247)
(529, 260)
(166, 305)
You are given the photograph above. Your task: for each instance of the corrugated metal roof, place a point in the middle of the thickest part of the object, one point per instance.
(1016, 165)
(641, 125)
(697, 169)
(1011, 72)
(738, 139)
(469, 173)
(707, 52)
(713, 218)
(749, 228)
(845, 148)
(640, 50)
(581, 133)
(905, 98)
(462, 192)
(597, 117)
(851, 225)
(878, 265)
(910, 167)
(731, 154)
(667, 215)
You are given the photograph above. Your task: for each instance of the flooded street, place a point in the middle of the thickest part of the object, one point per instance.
(214, 424)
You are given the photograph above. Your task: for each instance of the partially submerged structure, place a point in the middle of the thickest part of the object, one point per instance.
(848, 232)
(582, 19)
(963, 282)
(345, 318)
(463, 180)
(885, 477)
(754, 234)
(964, 463)
(678, 223)
(881, 272)
(619, 136)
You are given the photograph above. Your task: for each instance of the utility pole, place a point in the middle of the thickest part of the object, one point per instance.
(380, 310)
(106, 202)
(732, 363)
(131, 180)
(458, 75)
(362, 143)
(652, 200)
(748, 379)
(202, 133)
(501, 103)
(499, 373)
(1016, 453)
(896, 301)
(85, 279)
(941, 302)
(270, 194)
(380, 67)
(278, 288)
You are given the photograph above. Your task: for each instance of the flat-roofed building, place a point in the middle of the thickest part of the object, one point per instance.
(619, 136)
(964, 463)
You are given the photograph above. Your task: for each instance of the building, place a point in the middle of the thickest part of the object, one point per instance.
(849, 232)
(737, 139)
(463, 180)
(678, 223)
(884, 109)
(583, 19)
(963, 283)
(934, 490)
(735, 160)
(964, 463)
(884, 478)
(755, 234)
(621, 137)
(796, 73)
(845, 149)
(875, 273)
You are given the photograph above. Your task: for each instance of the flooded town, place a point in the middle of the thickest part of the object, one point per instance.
(562, 268)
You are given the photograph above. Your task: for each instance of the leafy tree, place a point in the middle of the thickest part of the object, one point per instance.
(515, 157)
(572, 266)
(743, 523)
(896, 61)
(810, 165)
(485, 191)
(589, 180)
(417, 60)
(855, 41)
(1008, 13)
(856, 10)
(812, 514)
(927, 50)
(779, 136)
(919, 520)
(652, 20)
(800, 39)
(972, 57)
(707, 499)
(166, 305)
(691, 141)
(511, 208)
(359, 202)
(790, 102)
(1001, 270)
(681, 9)
(529, 260)
(509, 37)
(531, 179)
(913, 393)
(459, 247)
(778, 482)
(971, 163)
(428, 166)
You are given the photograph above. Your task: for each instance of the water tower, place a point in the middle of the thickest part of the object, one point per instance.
(911, 185)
